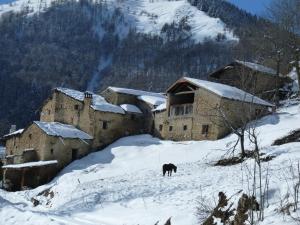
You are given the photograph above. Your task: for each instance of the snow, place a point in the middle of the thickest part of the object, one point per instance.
(107, 107)
(227, 91)
(258, 67)
(30, 164)
(131, 108)
(62, 130)
(135, 92)
(153, 100)
(147, 17)
(98, 103)
(161, 107)
(294, 77)
(20, 131)
(123, 184)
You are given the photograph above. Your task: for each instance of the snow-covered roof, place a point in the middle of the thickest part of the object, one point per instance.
(135, 92)
(107, 107)
(62, 130)
(30, 164)
(131, 108)
(153, 100)
(257, 67)
(161, 107)
(98, 103)
(20, 131)
(226, 91)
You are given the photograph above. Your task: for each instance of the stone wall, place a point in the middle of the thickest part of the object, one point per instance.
(254, 82)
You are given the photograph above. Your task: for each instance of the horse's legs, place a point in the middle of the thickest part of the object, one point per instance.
(164, 172)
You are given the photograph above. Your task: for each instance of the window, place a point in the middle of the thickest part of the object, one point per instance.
(160, 127)
(257, 112)
(188, 109)
(51, 150)
(170, 128)
(205, 129)
(185, 127)
(104, 125)
(180, 110)
(76, 107)
(132, 117)
(30, 136)
(49, 111)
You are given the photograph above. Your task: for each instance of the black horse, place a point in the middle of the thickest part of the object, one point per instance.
(168, 168)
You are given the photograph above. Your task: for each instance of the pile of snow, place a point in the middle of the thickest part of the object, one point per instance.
(31, 164)
(131, 108)
(123, 184)
(295, 85)
(148, 16)
(226, 91)
(62, 130)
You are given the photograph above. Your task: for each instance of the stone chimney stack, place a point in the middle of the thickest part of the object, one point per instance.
(88, 97)
(13, 128)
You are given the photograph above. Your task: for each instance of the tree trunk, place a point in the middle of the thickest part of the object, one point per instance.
(297, 59)
(242, 140)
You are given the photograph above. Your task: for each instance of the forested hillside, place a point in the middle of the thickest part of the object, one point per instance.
(89, 45)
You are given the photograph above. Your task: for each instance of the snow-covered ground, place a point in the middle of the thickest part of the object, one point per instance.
(148, 16)
(123, 184)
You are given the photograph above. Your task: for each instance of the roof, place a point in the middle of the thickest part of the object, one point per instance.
(257, 67)
(131, 108)
(98, 103)
(30, 164)
(18, 132)
(135, 92)
(225, 91)
(62, 130)
(153, 100)
(161, 107)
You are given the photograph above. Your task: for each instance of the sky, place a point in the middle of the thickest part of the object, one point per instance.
(253, 6)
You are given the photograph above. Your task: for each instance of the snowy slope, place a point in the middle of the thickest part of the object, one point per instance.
(123, 184)
(148, 16)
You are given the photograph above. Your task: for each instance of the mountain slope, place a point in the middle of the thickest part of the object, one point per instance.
(123, 184)
(146, 16)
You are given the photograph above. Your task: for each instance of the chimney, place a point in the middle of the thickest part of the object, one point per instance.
(12, 129)
(88, 97)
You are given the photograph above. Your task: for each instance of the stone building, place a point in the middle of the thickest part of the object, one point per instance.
(42, 144)
(146, 101)
(73, 123)
(251, 77)
(197, 109)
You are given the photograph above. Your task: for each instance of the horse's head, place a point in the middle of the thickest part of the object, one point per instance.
(175, 169)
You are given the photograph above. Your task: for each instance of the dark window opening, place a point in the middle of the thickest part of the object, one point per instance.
(257, 112)
(104, 125)
(74, 154)
(185, 127)
(205, 129)
(30, 136)
(170, 128)
(51, 150)
(132, 117)
(76, 107)
(49, 112)
(160, 127)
